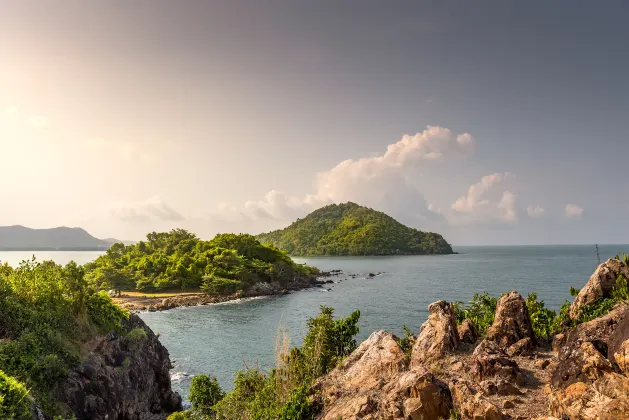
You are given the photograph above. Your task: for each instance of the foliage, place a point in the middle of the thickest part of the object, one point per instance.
(281, 393)
(205, 392)
(480, 310)
(406, 343)
(602, 306)
(350, 229)
(46, 312)
(179, 260)
(542, 318)
(14, 402)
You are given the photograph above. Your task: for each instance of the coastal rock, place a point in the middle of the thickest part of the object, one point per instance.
(605, 399)
(123, 377)
(471, 404)
(494, 366)
(580, 364)
(512, 322)
(621, 357)
(467, 332)
(600, 284)
(523, 346)
(438, 335)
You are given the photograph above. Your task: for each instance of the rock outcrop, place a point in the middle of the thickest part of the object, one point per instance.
(600, 284)
(125, 377)
(512, 322)
(471, 404)
(438, 336)
(374, 382)
(467, 332)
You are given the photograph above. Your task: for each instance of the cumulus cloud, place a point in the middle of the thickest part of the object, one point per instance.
(485, 201)
(573, 211)
(153, 209)
(378, 181)
(535, 211)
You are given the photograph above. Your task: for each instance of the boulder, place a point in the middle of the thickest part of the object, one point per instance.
(467, 332)
(438, 336)
(373, 382)
(416, 394)
(512, 322)
(580, 364)
(493, 366)
(600, 284)
(522, 347)
(605, 399)
(472, 405)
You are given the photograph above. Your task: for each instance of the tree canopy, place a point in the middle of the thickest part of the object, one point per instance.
(350, 229)
(179, 260)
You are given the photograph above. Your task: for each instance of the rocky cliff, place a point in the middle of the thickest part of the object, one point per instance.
(507, 375)
(124, 377)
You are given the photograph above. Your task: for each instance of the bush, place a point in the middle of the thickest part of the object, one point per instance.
(542, 318)
(205, 393)
(481, 310)
(406, 343)
(14, 401)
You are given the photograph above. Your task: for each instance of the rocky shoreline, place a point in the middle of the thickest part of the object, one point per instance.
(157, 303)
(510, 374)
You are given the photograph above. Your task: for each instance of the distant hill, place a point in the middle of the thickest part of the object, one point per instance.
(60, 238)
(350, 229)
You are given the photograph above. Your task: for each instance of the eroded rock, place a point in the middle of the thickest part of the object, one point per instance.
(600, 284)
(467, 332)
(472, 405)
(512, 322)
(438, 336)
(621, 357)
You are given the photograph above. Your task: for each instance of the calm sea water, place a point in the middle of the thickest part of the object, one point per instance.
(220, 339)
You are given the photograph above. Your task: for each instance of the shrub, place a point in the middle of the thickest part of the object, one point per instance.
(137, 335)
(542, 318)
(205, 393)
(481, 310)
(14, 401)
(406, 342)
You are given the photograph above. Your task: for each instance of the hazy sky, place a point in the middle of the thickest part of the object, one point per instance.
(500, 122)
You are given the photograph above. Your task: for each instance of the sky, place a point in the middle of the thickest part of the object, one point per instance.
(490, 122)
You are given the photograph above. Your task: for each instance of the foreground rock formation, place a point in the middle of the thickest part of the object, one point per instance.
(507, 375)
(125, 377)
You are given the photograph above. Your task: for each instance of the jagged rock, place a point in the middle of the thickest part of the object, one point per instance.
(499, 387)
(373, 383)
(493, 366)
(512, 322)
(621, 357)
(123, 378)
(416, 394)
(600, 284)
(467, 332)
(542, 363)
(580, 362)
(471, 404)
(521, 347)
(489, 347)
(438, 334)
(558, 341)
(605, 399)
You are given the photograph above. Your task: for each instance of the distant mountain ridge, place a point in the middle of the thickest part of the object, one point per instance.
(350, 229)
(59, 238)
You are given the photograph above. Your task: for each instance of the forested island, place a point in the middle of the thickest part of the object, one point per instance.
(178, 260)
(350, 229)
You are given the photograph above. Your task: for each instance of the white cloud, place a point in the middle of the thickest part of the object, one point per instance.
(153, 209)
(378, 181)
(573, 211)
(39, 121)
(485, 201)
(535, 211)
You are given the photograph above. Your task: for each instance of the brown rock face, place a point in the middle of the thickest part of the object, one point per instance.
(523, 346)
(123, 378)
(467, 332)
(512, 322)
(600, 284)
(622, 357)
(606, 399)
(439, 334)
(373, 383)
(471, 404)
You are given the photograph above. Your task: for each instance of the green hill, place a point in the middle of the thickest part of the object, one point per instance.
(350, 229)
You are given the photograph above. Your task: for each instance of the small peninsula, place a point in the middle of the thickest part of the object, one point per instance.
(351, 229)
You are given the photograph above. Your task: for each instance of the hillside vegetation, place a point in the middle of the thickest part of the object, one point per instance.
(179, 260)
(350, 229)
(47, 313)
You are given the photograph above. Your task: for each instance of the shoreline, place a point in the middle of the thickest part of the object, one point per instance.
(163, 302)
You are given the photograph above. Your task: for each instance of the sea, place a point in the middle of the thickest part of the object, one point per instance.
(222, 338)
